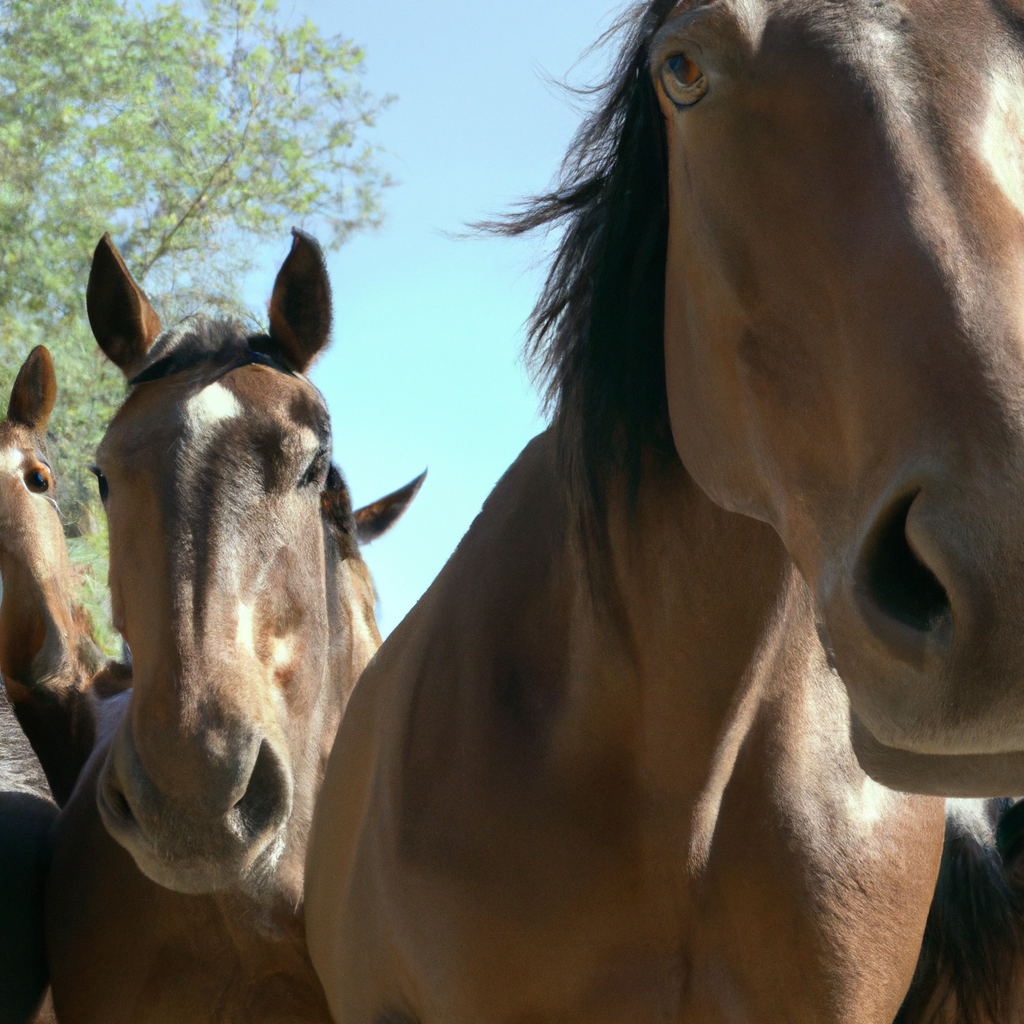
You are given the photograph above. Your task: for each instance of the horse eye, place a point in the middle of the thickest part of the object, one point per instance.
(36, 481)
(683, 80)
(314, 474)
(101, 480)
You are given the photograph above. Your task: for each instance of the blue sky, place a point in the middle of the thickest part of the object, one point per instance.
(425, 368)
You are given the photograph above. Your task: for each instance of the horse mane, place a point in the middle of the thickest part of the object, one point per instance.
(196, 339)
(973, 949)
(595, 337)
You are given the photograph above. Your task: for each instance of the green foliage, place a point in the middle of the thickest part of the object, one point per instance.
(89, 556)
(191, 133)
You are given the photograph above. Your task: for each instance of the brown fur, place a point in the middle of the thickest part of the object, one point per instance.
(553, 801)
(47, 652)
(622, 761)
(176, 889)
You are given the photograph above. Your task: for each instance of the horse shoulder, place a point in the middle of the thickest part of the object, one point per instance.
(462, 683)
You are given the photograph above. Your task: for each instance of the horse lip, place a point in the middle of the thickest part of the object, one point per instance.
(197, 874)
(973, 776)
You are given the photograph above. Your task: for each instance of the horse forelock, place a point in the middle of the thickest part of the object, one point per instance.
(199, 339)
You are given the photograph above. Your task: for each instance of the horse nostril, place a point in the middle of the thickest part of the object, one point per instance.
(896, 580)
(265, 803)
(119, 805)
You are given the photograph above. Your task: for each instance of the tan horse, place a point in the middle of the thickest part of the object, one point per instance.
(616, 765)
(32, 647)
(176, 888)
(48, 657)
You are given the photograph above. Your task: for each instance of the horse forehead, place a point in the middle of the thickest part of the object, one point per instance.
(11, 456)
(251, 402)
(290, 399)
(948, 77)
(210, 406)
(16, 444)
(913, 47)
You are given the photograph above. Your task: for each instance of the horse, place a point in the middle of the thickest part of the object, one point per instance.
(26, 813)
(47, 655)
(668, 737)
(52, 669)
(176, 886)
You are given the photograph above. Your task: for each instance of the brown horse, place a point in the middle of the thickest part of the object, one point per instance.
(176, 887)
(48, 657)
(34, 600)
(620, 762)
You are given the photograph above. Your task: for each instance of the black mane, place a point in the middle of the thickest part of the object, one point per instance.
(200, 339)
(596, 333)
(974, 939)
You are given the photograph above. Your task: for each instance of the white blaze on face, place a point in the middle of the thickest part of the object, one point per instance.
(11, 459)
(281, 652)
(213, 405)
(1002, 140)
(282, 649)
(244, 636)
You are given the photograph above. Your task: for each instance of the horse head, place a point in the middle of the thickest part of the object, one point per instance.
(235, 579)
(843, 344)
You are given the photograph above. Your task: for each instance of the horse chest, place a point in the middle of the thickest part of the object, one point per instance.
(123, 949)
(808, 905)
(816, 888)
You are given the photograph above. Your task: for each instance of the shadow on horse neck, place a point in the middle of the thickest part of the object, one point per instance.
(237, 582)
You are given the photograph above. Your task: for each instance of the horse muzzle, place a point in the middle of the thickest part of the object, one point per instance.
(922, 625)
(208, 841)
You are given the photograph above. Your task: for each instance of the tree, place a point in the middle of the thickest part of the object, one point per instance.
(192, 133)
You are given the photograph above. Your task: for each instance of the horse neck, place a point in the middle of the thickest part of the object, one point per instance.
(676, 626)
(47, 658)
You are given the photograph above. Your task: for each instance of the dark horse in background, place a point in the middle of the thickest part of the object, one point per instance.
(647, 748)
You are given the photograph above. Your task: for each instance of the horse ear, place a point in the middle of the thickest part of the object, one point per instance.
(34, 391)
(377, 518)
(300, 306)
(123, 322)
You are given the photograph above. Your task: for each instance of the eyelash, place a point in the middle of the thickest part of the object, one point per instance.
(315, 470)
